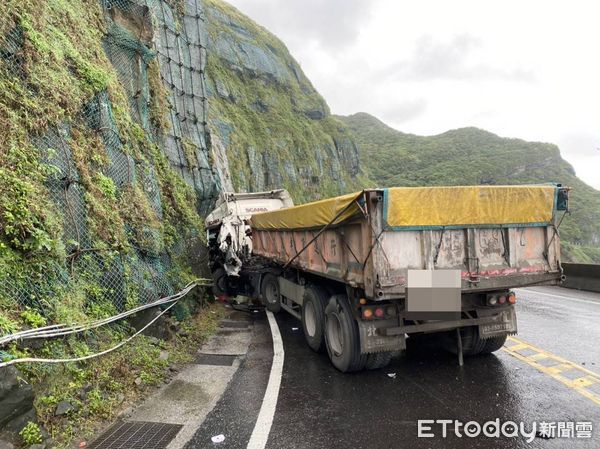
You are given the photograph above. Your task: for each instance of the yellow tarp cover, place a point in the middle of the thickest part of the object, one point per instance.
(469, 205)
(309, 215)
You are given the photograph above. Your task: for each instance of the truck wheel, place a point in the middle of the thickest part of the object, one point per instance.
(219, 287)
(493, 344)
(472, 344)
(378, 360)
(313, 317)
(270, 293)
(341, 336)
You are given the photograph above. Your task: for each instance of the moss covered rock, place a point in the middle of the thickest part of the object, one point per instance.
(273, 126)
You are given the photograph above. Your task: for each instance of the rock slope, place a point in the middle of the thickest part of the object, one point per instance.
(268, 124)
(474, 156)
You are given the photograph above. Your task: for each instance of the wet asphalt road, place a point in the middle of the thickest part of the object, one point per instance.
(562, 321)
(318, 407)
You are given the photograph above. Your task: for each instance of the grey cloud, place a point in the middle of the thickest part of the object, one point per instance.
(332, 23)
(580, 144)
(404, 112)
(434, 60)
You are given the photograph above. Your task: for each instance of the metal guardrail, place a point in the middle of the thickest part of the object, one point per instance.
(582, 276)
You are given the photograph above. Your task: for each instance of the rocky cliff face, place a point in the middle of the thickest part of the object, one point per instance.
(268, 124)
(105, 169)
(107, 164)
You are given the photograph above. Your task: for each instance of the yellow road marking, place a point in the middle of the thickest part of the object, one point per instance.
(538, 356)
(578, 384)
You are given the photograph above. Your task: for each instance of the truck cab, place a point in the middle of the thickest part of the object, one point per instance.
(229, 235)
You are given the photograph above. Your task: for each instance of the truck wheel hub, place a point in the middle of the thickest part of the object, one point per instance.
(334, 334)
(310, 319)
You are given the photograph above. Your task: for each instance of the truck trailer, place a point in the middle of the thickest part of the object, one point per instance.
(366, 271)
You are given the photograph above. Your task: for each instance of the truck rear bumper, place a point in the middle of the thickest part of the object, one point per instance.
(396, 288)
(489, 326)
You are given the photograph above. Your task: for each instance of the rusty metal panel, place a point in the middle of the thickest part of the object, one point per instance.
(338, 253)
(365, 254)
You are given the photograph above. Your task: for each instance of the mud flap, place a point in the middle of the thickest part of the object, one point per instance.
(507, 324)
(372, 341)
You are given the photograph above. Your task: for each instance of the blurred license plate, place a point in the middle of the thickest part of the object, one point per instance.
(507, 324)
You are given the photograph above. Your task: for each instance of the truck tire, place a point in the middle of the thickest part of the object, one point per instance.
(472, 343)
(378, 360)
(219, 287)
(493, 344)
(313, 317)
(270, 293)
(341, 336)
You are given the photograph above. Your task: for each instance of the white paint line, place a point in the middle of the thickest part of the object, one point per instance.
(261, 431)
(537, 292)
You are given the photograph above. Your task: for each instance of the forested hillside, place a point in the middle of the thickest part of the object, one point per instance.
(474, 156)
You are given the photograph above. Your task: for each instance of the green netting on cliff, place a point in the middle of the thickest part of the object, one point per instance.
(96, 168)
(179, 44)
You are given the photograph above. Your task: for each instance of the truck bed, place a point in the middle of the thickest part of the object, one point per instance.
(497, 236)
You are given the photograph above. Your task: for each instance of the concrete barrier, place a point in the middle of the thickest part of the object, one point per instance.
(582, 276)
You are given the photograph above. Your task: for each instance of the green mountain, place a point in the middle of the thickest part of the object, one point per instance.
(473, 156)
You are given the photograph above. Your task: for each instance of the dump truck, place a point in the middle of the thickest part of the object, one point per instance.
(367, 271)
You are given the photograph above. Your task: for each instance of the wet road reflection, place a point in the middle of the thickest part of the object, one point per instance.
(320, 407)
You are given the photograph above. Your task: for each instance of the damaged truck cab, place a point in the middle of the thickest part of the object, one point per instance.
(228, 234)
(366, 271)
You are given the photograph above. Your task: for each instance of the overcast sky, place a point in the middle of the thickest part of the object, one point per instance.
(527, 69)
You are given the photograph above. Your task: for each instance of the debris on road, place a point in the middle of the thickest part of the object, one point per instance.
(218, 438)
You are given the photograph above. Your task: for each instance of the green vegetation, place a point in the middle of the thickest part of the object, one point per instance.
(472, 156)
(31, 433)
(54, 77)
(7, 325)
(96, 391)
(580, 253)
(51, 68)
(33, 318)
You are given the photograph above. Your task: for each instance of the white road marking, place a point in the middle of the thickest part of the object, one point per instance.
(537, 292)
(260, 434)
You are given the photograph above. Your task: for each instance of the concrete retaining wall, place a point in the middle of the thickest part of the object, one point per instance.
(582, 276)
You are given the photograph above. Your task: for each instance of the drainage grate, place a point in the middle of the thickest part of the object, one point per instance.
(137, 435)
(215, 359)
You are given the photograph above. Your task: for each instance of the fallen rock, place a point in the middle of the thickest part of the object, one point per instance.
(6, 445)
(138, 381)
(16, 396)
(153, 341)
(315, 114)
(63, 408)
(221, 89)
(17, 424)
(164, 355)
